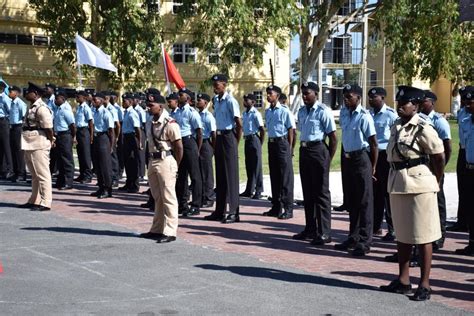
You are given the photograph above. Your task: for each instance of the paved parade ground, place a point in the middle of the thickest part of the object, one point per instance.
(84, 257)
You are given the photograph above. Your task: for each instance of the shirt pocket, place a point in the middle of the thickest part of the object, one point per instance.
(315, 126)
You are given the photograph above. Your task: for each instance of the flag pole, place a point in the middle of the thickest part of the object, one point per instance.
(80, 74)
(165, 69)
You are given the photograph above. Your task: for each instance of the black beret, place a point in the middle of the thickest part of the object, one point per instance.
(136, 95)
(142, 96)
(407, 93)
(89, 91)
(50, 85)
(377, 91)
(82, 93)
(156, 98)
(127, 95)
(250, 96)
(172, 96)
(430, 95)
(352, 88)
(34, 88)
(113, 93)
(105, 93)
(98, 95)
(204, 96)
(152, 91)
(15, 88)
(187, 91)
(277, 89)
(60, 92)
(283, 97)
(220, 77)
(464, 91)
(310, 85)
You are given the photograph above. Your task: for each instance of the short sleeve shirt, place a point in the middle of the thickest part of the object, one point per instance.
(102, 120)
(188, 119)
(357, 126)
(131, 120)
(226, 109)
(208, 124)
(383, 121)
(63, 117)
(170, 134)
(278, 121)
(17, 111)
(315, 122)
(252, 121)
(83, 115)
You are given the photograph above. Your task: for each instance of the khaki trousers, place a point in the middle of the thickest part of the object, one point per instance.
(162, 178)
(37, 162)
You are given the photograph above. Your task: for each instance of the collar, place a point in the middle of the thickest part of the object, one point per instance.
(315, 106)
(83, 104)
(224, 96)
(52, 97)
(432, 114)
(205, 111)
(251, 110)
(414, 120)
(129, 109)
(38, 102)
(163, 116)
(277, 106)
(382, 109)
(358, 108)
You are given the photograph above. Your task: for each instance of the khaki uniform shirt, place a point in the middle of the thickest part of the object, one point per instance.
(38, 116)
(418, 179)
(163, 139)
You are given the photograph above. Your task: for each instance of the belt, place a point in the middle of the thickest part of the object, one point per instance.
(129, 134)
(470, 166)
(407, 164)
(63, 133)
(99, 134)
(3, 118)
(311, 143)
(81, 128)
(206, 140)
(187, 137)
(16, 125)
(158, 154)
(224, 131)
(355, 153)
(250, 136)
(26, 128)
(276, 139)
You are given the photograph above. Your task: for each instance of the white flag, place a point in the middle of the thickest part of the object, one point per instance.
(89, 54)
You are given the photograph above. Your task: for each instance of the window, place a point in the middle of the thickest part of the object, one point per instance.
(25, 39)
(8, 38)
(178, 7)
(373, 78)
(184, 53)
(259, 99)
(213, 56)
(40, 40)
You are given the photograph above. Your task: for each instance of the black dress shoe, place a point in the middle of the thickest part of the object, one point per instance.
(86, 181)
(26, 205)
(231, 219)
(13, 179)
(321, 240)
(438, 244)
(422, 294)
(150, 235)
(164, 239)
(271, 213)
(397, 287)
(391, 258)
(78, 179)
(257, 196)
(133, 191)
(304, 235)
(360, 250)
(467, 251)
(66, 187)
(345, 245)
(40, 208)
(245, 194)
(378, 232)
(286, 215)
(115, 184)
(389, 236)
(123, 188)
(192, 212)
(456, 227)
(104, 195)
(97, 193)
(341, 208)
(207, 204)
(214, 217)
(146, 205)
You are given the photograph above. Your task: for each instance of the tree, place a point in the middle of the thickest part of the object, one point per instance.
(123, 29)
(427, 39)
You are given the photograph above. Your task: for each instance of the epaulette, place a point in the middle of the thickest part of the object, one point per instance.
(364, 111)
(170, 119)
(391, 109)
(438, 115)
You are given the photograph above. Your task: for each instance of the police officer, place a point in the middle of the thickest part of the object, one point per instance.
(384, 117)
(48, 95)
(5, 152)
(113, 101)
(37, 139)
(137, 100)
(190, 126)
(359, 143)
(441, 126)
(117, 131)
(254, 135)
(316, 123)
(65, 131)
(132, 134)
(165, 152)
(104, 138)
(207, 149)
(84, 136)
(17, 113)
(280, 137)
(229, 132)
(467, 126)
(283, 99)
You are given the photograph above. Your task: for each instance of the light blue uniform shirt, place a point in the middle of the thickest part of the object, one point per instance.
(113, 111)
(50, 103)
(252, 121)
(17, 111)
(440, 124)
(141, 113)
(357, 127)
(131, 120)
(63, 117)
(292, 116)
(315, 123)
(102, 119)
(278, 121)
(462, 113)
(208, 124)
(467, 125)
(188, 119)
(83, 115)
(226, 110)
(5, 103)
(383, 121)
(119, 111)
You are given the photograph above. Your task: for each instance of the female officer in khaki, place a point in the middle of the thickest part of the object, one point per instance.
(416, 157)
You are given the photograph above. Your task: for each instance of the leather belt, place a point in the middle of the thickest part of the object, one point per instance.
(407, 164)
(311, 143)
(276, 139)
(99, 134)
(63, 133)
(470, 166)
(250, 136)
(129, 134)
(224, 131)
(355, 153)
(81, 128)
(187, 137)
(158, 154)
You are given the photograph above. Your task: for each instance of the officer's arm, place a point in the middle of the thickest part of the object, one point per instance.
(49, 134)
(262, 134)
(213, 139)
(238, 128)
(437, 164)
(91, 130)
(374, 152)
(117, 130)
(332, 144)
(447, 149)
(293, 144)
(138, 135)
(177, 150)
(199, 138)
(290, 137)
(72, 128)
(111, 134)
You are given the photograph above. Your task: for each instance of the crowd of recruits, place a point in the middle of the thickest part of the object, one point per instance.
(365, 168)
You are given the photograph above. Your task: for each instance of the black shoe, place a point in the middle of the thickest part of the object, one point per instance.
(133, 191)
(257, 196)
(467, 251)
(231, 219)
(151, 235)
(389, 236)
(10, 176)
(391, 258)
(104, 195)
(86, 181)
(304, 235)
(245, 194)
(26, 205)
(341, 208)
(79, 180)
(321, 240)
(378, 232)
(193, 211)
(456, 227)
(271, 213)
(207, 204)
(146, 205)
(214, 217)
(164, 239)
(115, 184)
(438, 244)
(65, 188)
(360, 250)
(97, 193)
(124, 188)
(345, 245)
(422, 294)
(40, 208)
(13, 179)
(397, 287)
(286, 215)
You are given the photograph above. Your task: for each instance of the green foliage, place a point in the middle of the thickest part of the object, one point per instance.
(122, 29)
(427, 39)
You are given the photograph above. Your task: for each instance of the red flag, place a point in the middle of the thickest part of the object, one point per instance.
(172, 73)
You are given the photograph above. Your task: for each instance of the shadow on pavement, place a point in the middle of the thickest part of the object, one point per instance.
(84, 231)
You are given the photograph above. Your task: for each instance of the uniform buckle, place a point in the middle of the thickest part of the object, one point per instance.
(304, 144)
(347, 155)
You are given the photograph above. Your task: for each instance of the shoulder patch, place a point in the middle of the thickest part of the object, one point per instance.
(364, 111)
(390, 109)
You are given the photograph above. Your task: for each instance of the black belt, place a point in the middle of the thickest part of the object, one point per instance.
(224, 131)
(129, 134)
(250, 136)
(158, 154)
(355, 153)
(407, 164)
(470, 166)
(16, 125)
(99, 134)
(187, 137)
(311, 143)
(3, 118)
(81, 128)
(276, 139)
(63, 133)
(26, 128)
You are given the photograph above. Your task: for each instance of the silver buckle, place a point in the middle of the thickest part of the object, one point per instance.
(347, 155)
(304, 144)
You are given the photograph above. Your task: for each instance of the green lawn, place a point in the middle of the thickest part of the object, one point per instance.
(336, 163)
